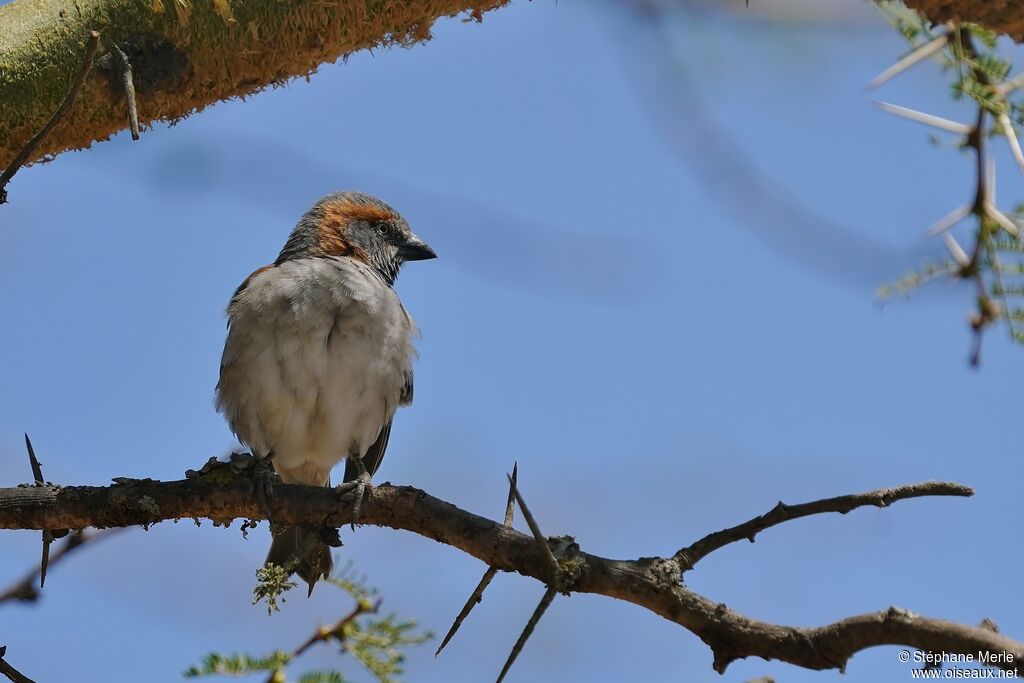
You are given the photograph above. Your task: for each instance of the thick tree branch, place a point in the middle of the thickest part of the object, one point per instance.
(185, 55)
(652, 583)
(28, 150)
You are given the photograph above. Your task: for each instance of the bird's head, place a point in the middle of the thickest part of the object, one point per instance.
(358, 226)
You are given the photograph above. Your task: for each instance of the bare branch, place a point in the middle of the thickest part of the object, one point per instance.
(652, 583)
(9, 671)
(689, 556)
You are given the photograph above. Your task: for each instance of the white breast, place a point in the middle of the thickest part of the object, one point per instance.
(317, 355)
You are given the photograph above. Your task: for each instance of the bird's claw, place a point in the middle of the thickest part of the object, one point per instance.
(358, 488)
(263, 483)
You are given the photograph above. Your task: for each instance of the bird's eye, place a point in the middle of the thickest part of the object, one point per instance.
(383, 229)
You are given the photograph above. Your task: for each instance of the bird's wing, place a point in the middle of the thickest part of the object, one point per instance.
(373, 456)
(406, 396)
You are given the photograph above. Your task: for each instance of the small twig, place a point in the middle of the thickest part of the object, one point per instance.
(12, 674)
(916, 55)
(62, 110)
(325, 633)
(129, 91)
(689, 556)
(537, 534)
(25, 590)
(478, 593)
(545, 602)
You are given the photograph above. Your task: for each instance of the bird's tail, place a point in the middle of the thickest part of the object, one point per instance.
(286, 550)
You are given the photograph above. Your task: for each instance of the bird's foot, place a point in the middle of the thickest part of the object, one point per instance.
(263, 482)
(358, 488)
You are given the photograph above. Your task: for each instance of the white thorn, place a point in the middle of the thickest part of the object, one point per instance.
(1002, 219)
(1011, 137)
(1011, 84)
(955, 250)
(916, 55)
(990, 180)
(927, 119)
(948, 221)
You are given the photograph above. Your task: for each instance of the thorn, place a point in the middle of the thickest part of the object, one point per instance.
(542, 607)
(44, 562)
(37, 474)
(927, 119)
(948, 221)
(999, 217)
(990, 180)
(37, 470)
(510, 504)
(955, 250)
(1010, 84)
(1011, 137)
(477, 595)
(537, 535)
(916, 55)
(472, 602)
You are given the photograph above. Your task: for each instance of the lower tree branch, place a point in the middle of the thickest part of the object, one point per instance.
(654, 583)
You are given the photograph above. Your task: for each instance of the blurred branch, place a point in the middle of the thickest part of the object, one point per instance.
(25, 590)
(1005, 17)
(654, 583)
(184, 55)
(28, 150)
(981, 74)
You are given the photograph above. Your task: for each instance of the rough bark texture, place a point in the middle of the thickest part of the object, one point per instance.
(654, 583)
(185, 54)
(1001, 16)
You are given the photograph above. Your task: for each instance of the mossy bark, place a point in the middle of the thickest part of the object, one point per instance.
(186, 54)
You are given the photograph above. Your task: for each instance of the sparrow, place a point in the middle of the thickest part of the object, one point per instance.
(319, 356)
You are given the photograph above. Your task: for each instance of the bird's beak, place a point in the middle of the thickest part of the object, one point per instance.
(416, 249)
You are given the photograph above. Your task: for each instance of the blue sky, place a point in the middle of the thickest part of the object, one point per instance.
(668, 339)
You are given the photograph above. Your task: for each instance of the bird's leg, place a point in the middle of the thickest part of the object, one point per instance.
(263, 476)
(357, 485)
